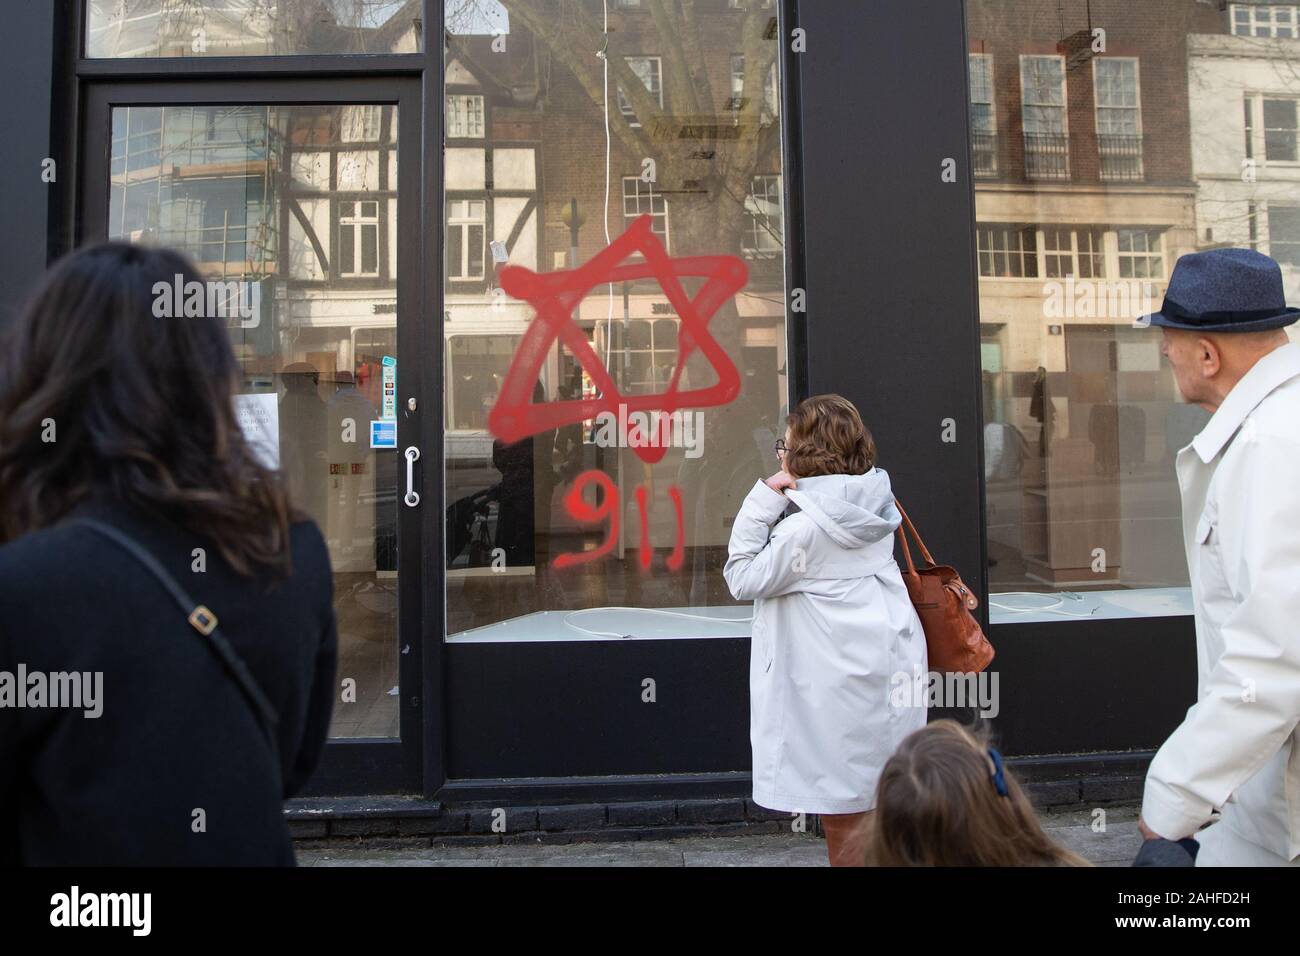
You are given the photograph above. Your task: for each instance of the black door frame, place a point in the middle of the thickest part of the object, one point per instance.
(364, 764)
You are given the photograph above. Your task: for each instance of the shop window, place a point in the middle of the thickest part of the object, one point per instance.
(1281, 20)
(562, 513)
(464, 117)
(191, 28)
(1042, 88)
(466, 237)
(1083, 419)
(983, 115)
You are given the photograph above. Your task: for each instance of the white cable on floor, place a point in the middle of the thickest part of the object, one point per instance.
(646, 610)
(1047, 609)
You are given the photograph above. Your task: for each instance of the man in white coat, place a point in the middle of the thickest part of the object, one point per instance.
(1238, 748)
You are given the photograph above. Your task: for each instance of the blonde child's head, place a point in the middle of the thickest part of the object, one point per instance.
(945, 799)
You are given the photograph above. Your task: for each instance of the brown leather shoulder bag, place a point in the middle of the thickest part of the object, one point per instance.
(953, 637)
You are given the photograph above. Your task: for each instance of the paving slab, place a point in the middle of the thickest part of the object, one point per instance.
(1110, 841)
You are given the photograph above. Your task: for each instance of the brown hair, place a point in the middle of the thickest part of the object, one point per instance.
(827, 437)
(144, 408)
(938, 805)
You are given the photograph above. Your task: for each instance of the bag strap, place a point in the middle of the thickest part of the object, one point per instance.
(204, 622)
(902, 536)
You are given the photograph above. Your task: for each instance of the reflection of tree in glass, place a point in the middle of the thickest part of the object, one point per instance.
(707, 142)
(248, 27)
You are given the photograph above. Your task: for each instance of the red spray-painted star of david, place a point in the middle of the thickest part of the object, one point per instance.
(555, 295)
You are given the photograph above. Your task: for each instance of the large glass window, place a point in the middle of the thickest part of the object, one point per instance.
(154, 28)
(1176, 136)
(293, 210)
(615, 332)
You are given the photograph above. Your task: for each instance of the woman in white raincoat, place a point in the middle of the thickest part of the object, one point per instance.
(837, 666)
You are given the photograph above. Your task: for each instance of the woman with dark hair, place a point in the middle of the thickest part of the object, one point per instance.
(837, 670)
(143, 725)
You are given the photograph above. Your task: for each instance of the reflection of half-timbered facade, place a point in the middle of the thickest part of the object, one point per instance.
(492, 211)
(339, 213)
(338, 216)
(491, 189)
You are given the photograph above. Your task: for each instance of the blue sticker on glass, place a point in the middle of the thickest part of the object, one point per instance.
(383, 434)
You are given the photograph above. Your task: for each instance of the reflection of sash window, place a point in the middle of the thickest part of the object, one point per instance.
(358, 253)
(466, 232)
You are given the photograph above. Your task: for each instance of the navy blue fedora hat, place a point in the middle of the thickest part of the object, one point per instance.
(1225, 290)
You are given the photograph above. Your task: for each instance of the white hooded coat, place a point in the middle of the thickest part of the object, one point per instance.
(837, 666)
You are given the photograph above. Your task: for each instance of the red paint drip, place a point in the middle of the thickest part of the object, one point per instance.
(678, 557)
(646, 552)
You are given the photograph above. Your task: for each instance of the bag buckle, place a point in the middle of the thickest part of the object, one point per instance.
(203, 620)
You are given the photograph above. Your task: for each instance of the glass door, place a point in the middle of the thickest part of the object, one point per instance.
(289, 198)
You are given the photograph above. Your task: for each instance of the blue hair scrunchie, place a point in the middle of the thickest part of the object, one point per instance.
(999, 778)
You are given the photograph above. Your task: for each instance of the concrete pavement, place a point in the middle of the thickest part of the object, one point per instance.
(1115, 844)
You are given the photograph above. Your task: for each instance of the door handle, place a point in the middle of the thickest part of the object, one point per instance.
(412, 498)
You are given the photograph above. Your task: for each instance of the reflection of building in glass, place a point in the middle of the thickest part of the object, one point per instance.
(526, 183)
(1085, 198)
(1245, 120)
(134, 28)
(197, 178)
(303, 200)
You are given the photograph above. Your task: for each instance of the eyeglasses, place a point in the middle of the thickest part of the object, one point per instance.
(780, 447)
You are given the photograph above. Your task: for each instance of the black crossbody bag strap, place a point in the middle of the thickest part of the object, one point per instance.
(205, 623)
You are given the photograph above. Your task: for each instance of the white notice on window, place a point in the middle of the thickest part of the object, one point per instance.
(259, 419)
